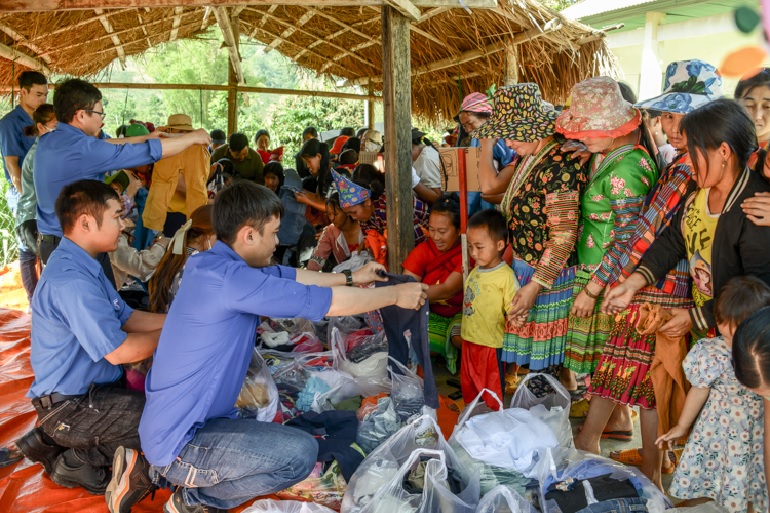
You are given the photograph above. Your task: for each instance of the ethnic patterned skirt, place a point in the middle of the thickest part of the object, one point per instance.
(586, 336)
(539, 343)
(623, 372)
(440, 332)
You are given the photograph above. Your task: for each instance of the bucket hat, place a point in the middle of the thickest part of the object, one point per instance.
(687, 86)
(519, 114)
(597, 109)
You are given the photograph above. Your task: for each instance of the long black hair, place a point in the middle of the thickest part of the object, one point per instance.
(717, 122)
(368, 176)
(311, 148)
(746, 85)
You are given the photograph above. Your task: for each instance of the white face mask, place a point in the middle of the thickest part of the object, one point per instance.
(48, 129)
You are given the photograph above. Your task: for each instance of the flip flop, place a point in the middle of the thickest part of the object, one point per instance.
(622, 436)
(632, 457)
(9, 456)
(673, 457)
(511, 383)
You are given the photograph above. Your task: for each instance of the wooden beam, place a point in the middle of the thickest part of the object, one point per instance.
(23, 41)
(345, 29)
(397, 97)
(406, 8)
(177, 21)
(228, 29)
(511, 66)
(74, 5)
(77, 25)
(6, 52)
(370, 108)
(206, 14)
(144, 30)
(115, 39)
(210, 87)
(290, 30)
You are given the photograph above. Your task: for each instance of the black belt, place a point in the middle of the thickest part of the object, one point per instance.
(50, 239)
(47, 401)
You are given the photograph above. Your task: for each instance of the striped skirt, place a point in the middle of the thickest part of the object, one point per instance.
(539, 343)
(623, 372)
(440, 331)
(586, 336)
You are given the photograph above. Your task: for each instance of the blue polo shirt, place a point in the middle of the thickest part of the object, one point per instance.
(77, 317)
(207, 341)
(67, 155)
(501, 153)
(13, 142)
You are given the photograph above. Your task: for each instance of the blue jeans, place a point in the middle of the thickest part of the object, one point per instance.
(230, 461)
(632, 505)
(475, 203)
(27, 257)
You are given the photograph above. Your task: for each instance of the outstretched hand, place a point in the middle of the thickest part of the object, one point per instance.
(675, 433)
(412, 296)
(369, 273)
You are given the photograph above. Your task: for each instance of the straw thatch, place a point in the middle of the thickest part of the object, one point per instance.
(337, 41)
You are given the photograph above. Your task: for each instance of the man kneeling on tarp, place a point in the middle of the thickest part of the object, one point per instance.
(82, 332)
(191, 435)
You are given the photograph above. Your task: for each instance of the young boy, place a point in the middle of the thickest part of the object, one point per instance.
(489, 290)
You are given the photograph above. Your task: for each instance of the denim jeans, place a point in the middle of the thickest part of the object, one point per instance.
(96, 424)
(230, 461)
(632, 505)
(475, 203)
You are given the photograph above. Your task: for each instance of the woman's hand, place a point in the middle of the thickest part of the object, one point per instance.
(679, 325)
(577, 150)
(618, 298)
(524, 300)
(369, 273)
(301, 197)
(675, 433)
(583, 306)
(757, 209)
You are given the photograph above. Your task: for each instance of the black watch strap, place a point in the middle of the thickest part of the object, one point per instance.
(348, 277)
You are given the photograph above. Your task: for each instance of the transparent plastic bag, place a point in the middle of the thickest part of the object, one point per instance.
(274, 506)
(377, 485)
(324, 487)
(503, 500)
(259, 394)
(378, 425)
(553, 408)
(407, 391)
(364, 355)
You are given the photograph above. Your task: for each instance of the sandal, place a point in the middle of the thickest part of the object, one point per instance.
(579, 409)
(673, 457)
(511, 383)
(631, 457)
(622, 436)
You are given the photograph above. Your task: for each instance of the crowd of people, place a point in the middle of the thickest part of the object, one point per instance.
(618, 245)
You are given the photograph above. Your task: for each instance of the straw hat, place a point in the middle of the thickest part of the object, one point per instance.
(598, 109)
(519, 114)
(179, 122)
(687, 86)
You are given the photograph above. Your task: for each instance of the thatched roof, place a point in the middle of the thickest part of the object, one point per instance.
(454, 51)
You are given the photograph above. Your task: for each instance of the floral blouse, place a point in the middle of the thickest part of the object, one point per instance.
(609, 210)
(541, 206)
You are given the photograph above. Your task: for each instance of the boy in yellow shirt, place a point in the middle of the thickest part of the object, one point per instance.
(489, 290)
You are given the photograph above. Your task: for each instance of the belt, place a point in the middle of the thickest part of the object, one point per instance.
(50, 239)
(47, 401)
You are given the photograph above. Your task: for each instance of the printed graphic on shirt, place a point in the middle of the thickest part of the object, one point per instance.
(701, 275)
(470, 295)
(700, 227)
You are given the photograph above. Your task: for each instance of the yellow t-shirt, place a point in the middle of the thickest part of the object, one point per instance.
(487, 299)
(700, 225)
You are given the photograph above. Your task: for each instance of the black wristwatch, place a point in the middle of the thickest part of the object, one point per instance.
(348, 277)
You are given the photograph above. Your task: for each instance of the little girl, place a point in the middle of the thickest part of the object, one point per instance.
(723, 459)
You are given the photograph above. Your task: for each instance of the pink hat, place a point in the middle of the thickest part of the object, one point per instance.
(597, 109)
(477, 103)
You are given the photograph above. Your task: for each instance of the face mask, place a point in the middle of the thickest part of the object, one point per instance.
(48, 129)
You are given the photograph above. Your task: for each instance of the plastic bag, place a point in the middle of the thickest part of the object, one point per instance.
(322, 487)
(355, 262)
(259, 394)
(372, 351)
(376, 486)
(514, 438)
(503, 500)
(378, 425)
(553, 408)
(407, 391)
(274, 506)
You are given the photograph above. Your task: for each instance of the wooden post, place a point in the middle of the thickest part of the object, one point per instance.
(370, 107)
(397, 99)
(232, 82)
(461, 155)
(511, 66)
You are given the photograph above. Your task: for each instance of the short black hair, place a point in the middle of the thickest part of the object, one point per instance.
(218, 135)
(73, 95)
(448, 204)
(83, 197)
(29, 78)
(740, 297)
(751, 350)
(747, 84)
(493, 221)
(349, 156)
(361, 132)
(349, 131)
(237, 141)
(717, 122)
(309, 131)
(244, 203)
(274, 168)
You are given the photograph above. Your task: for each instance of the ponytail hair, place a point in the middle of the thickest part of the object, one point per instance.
(42, 115)
(368, 176)
(448, 204)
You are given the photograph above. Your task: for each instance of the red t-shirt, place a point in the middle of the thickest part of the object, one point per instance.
(434, 267)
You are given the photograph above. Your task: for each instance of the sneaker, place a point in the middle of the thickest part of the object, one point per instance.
(176, 504)
(130, 481)
(38, 447)
(70, 472)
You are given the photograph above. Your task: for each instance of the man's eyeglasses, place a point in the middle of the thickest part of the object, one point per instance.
(101, 114)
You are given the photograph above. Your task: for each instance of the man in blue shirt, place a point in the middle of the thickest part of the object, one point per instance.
(190, 432)
(14, 145)
(74, 151)
(82, 332)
